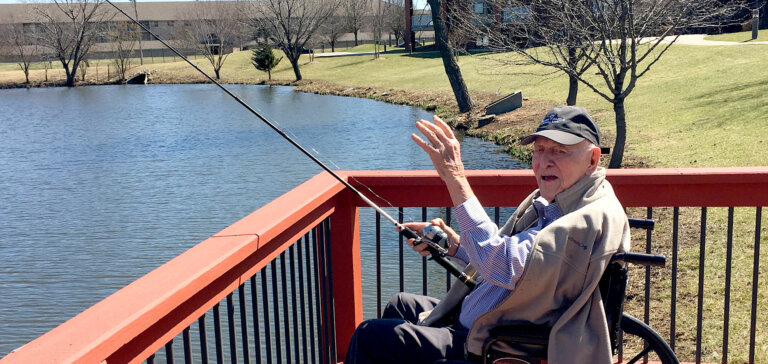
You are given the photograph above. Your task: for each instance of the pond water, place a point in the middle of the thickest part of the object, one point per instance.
(100, 185)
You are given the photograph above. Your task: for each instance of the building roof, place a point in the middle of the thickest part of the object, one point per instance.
(148, 11)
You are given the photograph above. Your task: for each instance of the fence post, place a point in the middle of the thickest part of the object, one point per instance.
(347, 278)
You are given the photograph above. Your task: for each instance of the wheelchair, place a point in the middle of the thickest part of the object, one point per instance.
(533, 340)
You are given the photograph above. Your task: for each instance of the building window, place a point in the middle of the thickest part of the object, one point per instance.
(169, 23)
(29, 27)
(155, 24)
(517, 14)
(482, 41)
(478, 8)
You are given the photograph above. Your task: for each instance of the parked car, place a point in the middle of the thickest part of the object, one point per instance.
(416, 44)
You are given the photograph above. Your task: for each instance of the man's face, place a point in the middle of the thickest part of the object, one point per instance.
(559, 166)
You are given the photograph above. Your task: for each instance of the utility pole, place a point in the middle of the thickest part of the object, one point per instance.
(408, 35)
(136, 16)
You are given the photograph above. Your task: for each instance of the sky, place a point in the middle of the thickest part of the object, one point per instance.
(417, 4)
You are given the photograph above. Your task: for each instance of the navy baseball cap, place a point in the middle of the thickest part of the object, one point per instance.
(567, 125)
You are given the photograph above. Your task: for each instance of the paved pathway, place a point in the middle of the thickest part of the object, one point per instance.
(343, 54)
(686, 39)
(698, 39)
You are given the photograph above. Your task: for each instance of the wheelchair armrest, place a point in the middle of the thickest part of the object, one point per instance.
(523, 334)
(647, 224)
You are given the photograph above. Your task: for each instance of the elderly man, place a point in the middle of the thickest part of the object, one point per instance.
(542, 267)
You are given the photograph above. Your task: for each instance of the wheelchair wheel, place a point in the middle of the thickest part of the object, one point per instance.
(644, 341)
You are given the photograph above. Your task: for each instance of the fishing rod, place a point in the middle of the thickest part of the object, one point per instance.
(434, 237)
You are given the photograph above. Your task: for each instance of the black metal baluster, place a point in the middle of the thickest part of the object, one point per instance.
(295, 310)
(331, 302)
(187, 348)
(321, 273)
(313, 291)
(378, 265)
(231, 327)
(400, 251)
(728, 260)
(169, 352)
(203, 339)
(424, 279)
(647, 310)
(265, 305)
(497, 216)
(286, 320)
(673, 304)
(256, 329)
(755, 271)
(151, 359)
(319, 288)
(244, 324)
(276, 312)
(700, 315)
(217, 334)
(302, 301)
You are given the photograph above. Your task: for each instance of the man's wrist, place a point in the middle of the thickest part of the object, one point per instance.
(460, 190)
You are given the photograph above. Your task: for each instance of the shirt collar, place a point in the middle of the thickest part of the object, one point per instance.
(548, 212)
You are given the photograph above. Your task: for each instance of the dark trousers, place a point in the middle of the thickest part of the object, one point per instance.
(395, 338)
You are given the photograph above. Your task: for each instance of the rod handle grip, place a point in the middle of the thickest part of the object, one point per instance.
(409, 234)
(443, 261)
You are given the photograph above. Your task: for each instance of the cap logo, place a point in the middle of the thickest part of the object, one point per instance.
(551, 119)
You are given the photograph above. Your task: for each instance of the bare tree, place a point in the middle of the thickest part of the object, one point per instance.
(460, 18)
(122, 37)
(21, 46)
(214, 27)
(620, 39)
(378, 12)
(447, 53)
(394, 19)
(69, 28)
(356, 12)
(290, 24)
(332, 29)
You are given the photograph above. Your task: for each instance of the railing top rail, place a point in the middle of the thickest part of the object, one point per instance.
(732, 186)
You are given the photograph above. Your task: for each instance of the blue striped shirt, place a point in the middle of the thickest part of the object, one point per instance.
(499, 259)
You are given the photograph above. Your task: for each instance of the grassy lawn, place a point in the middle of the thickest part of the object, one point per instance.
(694, 108)
(697, 107)
(762, 36)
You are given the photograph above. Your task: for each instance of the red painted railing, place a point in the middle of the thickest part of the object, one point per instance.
(138, 320)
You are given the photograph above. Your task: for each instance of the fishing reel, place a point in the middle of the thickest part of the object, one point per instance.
(436, 238)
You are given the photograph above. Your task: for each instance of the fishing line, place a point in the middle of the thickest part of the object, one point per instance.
(438, 253)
